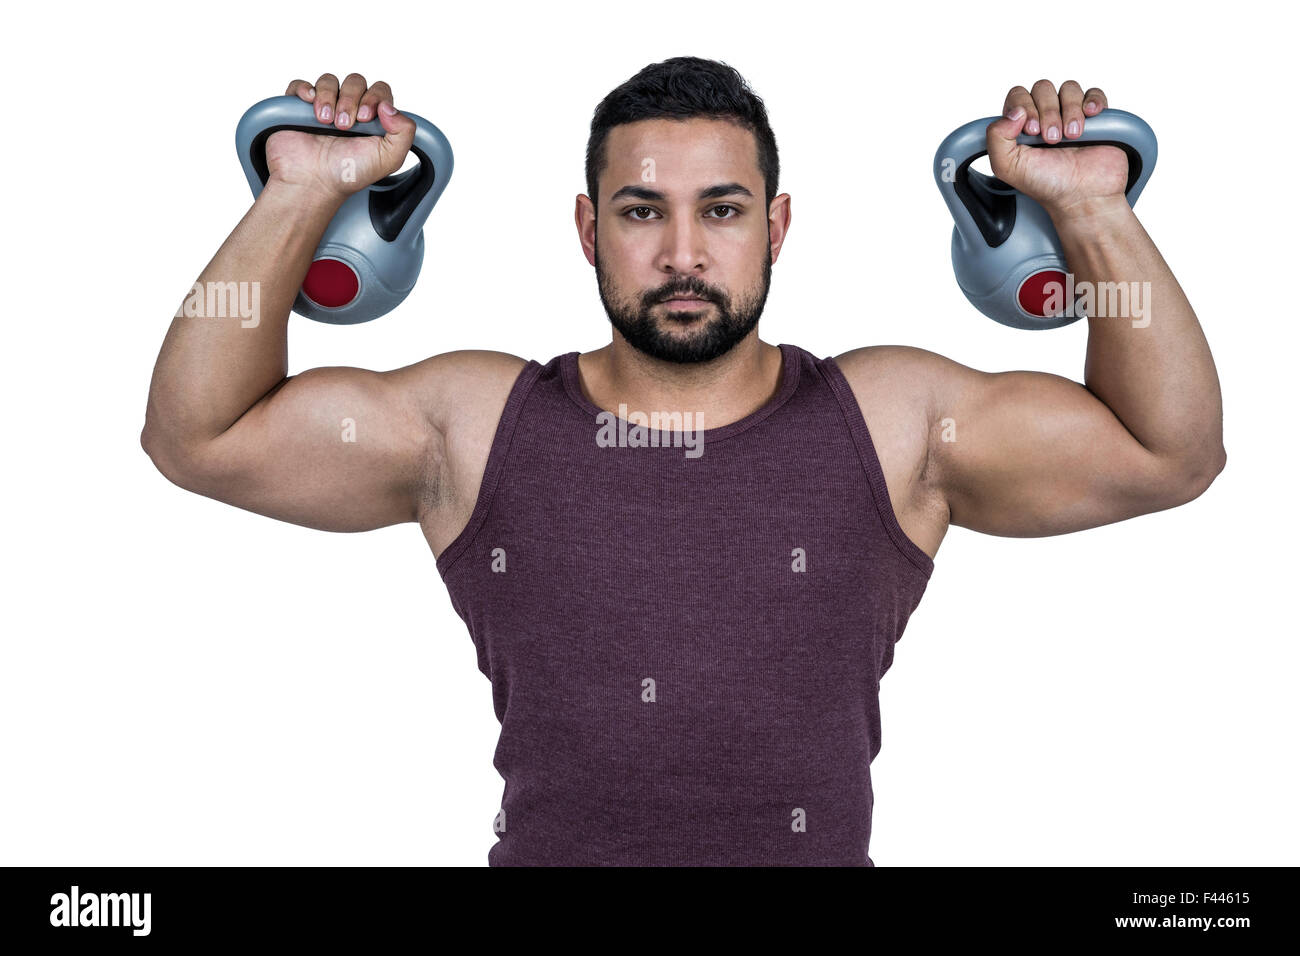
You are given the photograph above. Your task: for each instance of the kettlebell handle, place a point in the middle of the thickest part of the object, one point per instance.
(983, 198)
(398, 204)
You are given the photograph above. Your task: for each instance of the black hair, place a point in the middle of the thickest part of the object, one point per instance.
(683, 87)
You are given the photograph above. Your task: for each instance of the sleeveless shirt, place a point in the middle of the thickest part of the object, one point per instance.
(685, 650)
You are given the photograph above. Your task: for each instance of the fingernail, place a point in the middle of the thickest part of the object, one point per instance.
(1053, 133)
(325, 112)
(311, 93)
(387, 108)
(1016, 113)
(1031, 126)
(343, 119)
(1073, 128)
(1090, 106)
(363, 113)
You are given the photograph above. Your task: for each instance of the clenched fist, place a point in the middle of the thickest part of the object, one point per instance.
(316, 162)
(1064, 181)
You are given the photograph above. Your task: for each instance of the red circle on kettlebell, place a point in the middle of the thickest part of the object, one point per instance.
(331, 283)
(1033, 294)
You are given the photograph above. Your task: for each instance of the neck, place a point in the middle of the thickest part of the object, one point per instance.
(722, 391)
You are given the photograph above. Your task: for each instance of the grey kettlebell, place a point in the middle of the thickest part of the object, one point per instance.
(370, 255)
(1005, 251)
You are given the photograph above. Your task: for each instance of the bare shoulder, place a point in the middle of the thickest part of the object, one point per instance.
(462, 395)
(906, 379)
(904, 366)
(898, 389)
(898, 385)
(466, 385)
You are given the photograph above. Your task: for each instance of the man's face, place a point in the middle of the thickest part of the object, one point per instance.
(684, 216)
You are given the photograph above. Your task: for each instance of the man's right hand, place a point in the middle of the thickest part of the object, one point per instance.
(336, 448)
(317, 162)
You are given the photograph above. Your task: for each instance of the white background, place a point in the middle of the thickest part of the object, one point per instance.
(182, 682)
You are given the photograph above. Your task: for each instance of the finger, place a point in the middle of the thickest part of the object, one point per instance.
(1049, 110)
(1094, 101)
(327, 91)
(378, 92)
(301, 89)
(1072, 109)
(1019, 97)
(400, 134)
(350, 93)
(399, 128)
(1000, 138)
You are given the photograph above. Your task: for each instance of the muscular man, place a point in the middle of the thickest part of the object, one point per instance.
(684, 558)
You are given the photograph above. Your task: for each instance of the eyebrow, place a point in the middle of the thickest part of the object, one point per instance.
(653, 195)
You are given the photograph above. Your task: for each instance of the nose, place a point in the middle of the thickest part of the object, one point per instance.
(684, 251)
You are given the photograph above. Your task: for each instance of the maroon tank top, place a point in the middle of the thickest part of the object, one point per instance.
(685, 649)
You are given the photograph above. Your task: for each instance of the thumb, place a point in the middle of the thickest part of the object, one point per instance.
(399, 134)
(1000, 141)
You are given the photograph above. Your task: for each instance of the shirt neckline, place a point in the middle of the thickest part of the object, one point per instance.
(789, 381)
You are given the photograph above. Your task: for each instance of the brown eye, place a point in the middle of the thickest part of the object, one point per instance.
(635, 209)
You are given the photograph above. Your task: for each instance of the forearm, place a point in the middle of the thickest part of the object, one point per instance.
(219, 359)
(1150, 364)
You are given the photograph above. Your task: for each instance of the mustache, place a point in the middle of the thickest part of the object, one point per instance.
(678, 293)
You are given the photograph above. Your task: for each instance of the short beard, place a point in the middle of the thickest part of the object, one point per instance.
(717, 337)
